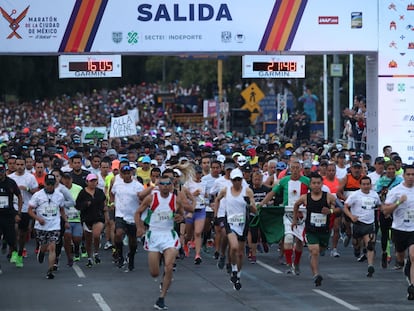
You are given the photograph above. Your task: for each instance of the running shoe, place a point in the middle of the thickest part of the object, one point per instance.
(107, 245)
(216, 255)
(371, 271)
(50, 275)
(237, 285)
(290, 269)
(197, 260)
(131, 265)
(221, 262)
(24, 253)
(96, 258)
(334, 253)
(253, 260)
(76, 258)
(398, 265)
(121, 262)
(410, 292)
(347, 239)
(233, 277)
(13, 257)
(19, 262)
(296, 269)
(160, 305)
(40, 257)
(90, 263)
(318, 280)
(362, 258)
(84, 254)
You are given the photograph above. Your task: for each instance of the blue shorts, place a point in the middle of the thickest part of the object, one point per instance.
(199, 214)
(75, 229)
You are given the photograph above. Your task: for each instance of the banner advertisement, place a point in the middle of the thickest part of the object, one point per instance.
(104, 26)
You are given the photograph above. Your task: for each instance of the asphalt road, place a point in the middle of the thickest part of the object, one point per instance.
(203, 287)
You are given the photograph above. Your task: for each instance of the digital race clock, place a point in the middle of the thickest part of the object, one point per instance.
(273, 66)
(89, 66)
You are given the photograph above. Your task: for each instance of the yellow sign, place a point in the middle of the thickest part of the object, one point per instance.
(252, 96)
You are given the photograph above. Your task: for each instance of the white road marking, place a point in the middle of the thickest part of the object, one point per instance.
(101, 302)
(270, 268)
(78, 271)
(336, 299)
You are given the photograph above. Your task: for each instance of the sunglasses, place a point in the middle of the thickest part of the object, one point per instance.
(164, 183)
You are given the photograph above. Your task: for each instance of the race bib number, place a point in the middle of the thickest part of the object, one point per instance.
(409, 216)
(163, 216)
(318, 220)
(4, 202)
(368, 203)
(236, 220)
(50, 211)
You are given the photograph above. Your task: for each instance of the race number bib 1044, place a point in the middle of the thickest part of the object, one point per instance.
(317, 220)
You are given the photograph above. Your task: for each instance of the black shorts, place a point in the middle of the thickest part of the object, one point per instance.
(219, 221)
(402, 239)
(240, 238)
(24, 222)
(129, 229)
(8, 229)
(360, 229)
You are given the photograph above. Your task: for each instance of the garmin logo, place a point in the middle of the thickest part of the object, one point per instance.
(181, 13)
(328, 20)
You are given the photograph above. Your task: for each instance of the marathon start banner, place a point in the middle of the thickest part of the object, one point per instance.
(130, 26)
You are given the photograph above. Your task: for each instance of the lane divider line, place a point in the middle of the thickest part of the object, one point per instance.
(78, 271)
(336, 299)
(270, 268)
(101, 302)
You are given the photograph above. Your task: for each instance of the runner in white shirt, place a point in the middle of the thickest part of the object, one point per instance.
(28, 185)
(400, 203)
(361, 207)
(127, 194)
(46, 207)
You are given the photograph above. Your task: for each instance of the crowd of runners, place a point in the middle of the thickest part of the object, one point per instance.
(179, 188)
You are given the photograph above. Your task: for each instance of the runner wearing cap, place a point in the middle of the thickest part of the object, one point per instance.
(163, 209)
(91, 203)
(291, 187)
(239, 202)
(47, 208)
(126, 194)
